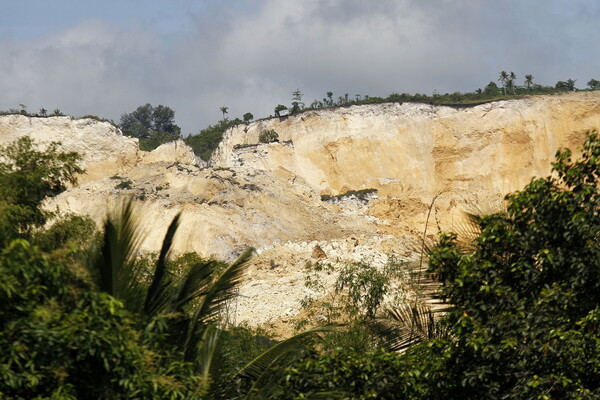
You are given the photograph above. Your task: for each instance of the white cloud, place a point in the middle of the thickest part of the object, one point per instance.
(250, 56)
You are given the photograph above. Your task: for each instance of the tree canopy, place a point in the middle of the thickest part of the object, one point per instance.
(526, 322)
(27, 176)
(152, 125)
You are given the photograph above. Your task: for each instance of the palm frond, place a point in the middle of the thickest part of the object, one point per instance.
(113, 263)
(159, 293)
(405, 326)
(195, 284)
(221, 291)
(208, 356)
(260, 369)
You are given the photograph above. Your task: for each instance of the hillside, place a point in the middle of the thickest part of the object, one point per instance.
(269, 195)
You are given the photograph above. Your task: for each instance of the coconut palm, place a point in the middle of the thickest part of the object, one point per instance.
(504, 79)
(224, 110)
(528, 81)
(511, 81)
(189, 306)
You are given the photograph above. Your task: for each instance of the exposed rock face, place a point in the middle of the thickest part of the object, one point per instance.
(418, 150)
(104, 149)
(268, 195)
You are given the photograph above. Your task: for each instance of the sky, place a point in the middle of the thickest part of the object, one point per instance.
(108, 57)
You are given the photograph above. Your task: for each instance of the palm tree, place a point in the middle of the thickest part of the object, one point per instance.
(511, 81)
(224, 110)
(528, 81)
(189, 305)
(503, 78)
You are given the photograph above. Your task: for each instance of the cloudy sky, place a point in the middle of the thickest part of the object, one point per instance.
(107, 57)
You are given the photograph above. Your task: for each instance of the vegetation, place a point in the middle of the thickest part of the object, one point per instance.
(153, 126)
(124, 184)
(268, 136)
(361, 194)
(27, 177)
(248, 117)
(208, 139)
(279, 109)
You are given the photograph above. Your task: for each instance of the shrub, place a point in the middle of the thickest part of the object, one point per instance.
(124, 184)
(268, 136)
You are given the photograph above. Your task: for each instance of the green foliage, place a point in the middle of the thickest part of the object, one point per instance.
(248, 117)
(152, 125)
(268, 136)
(527, 317)
(61, 340)
(99, 119)
(491, 89)
(347, 374)
(297, 104)
(208, 139)
(69, 238)
(593, 84)
(224, 110)
(568, 85)
(528, 81)
(27, 177)
(358, 294)
(124, 184)
(279, 109)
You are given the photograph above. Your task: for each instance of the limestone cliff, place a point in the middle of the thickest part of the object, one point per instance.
(268, 195)
(418, 150)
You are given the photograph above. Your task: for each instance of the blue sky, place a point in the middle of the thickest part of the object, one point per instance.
(107, 57)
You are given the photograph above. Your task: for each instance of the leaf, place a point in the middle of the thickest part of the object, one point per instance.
(221, 291)
(259, 370)
(159, 294)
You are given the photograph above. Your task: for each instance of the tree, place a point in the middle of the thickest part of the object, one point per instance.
(27, 177)
(279, 108)
(183, 310)
(297, 104)
(594, 84)
(224, 110)
(163, 120)
(491, 89)
(207, 140)
(511, 81)
(148, 121)
(62, 341)
(329, 100)
(268, 136)
(569, 84)
(528, 81)
(526, 322)
(248, 117)
(43, 112)
(503, 79)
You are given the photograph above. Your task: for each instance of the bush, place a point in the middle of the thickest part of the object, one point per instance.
(207, 140)
(126, 184)
(268, 136)
(27, 177)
